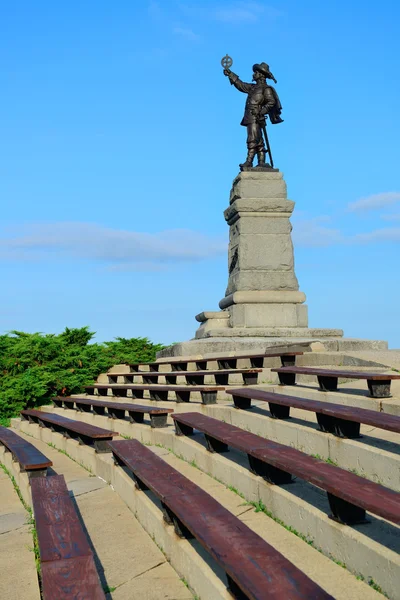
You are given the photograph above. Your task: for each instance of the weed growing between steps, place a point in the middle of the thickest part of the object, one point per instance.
(81, 464)
(30, 522)
(189, 588)
(260, 507)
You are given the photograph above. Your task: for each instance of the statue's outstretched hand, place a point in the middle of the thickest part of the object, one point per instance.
(227, 72)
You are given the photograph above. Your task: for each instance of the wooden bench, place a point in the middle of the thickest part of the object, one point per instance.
(349, 495)
(67, 565)
(224, 362)
(343, 421)
(30, 459)
(378, 383)
(157, 392)
(250, 376)
(116, 410)
(84, 433)
(254, 569)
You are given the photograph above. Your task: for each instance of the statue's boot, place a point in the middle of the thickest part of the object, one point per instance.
(261, 159)
(249, 160)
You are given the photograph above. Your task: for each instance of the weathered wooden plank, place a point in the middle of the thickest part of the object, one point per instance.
(72, 579)
(349, 413)
(347, 486)
(90, 431)
(60, 533)
(28, 456)
(253, 567)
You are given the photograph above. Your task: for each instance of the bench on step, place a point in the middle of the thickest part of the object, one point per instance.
(343, 421)
(221, 377)
(224, 362)
(67, 563)
(84, 433)
(254, 569)
(157, 392)
(378, 383)
(349, 495)
(116, 410)
(30, 459)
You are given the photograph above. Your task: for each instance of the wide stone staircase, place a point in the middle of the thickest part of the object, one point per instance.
(138, 555)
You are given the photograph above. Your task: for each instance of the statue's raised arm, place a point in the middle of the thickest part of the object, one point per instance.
(262, 101)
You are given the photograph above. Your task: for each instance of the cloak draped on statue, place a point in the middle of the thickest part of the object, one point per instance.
(275, 112)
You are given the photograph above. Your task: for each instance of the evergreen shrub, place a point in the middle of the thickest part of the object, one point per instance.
(34, 367)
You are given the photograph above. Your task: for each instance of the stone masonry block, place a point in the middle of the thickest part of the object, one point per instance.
(268, 315)
(258, 184)
(246, 279)
(266, 252)
(259, 225)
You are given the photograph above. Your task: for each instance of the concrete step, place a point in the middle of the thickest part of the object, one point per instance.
(128, 561)
(375, 456)
(16, 543)
(299, 512)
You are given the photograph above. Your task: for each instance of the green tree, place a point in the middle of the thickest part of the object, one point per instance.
(34, 367)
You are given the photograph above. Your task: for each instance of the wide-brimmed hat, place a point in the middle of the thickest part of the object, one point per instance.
(263, 68)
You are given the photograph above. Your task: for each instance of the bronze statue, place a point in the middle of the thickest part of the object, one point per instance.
(262, 101)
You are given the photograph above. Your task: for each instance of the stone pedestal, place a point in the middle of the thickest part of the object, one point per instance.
(262, 297)
(263, 290)
(262, 306)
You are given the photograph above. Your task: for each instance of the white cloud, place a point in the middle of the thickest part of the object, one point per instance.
(116, 249)
(312, 232)
(187, 33)
(386, 234)
(391, 217)
(375, 201)
(245, 12)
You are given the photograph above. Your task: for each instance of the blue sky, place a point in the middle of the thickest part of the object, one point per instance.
(120, 137)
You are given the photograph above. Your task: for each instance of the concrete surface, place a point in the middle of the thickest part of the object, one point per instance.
(18, 580)
(370, 550)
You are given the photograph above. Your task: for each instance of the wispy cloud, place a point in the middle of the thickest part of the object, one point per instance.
(115, 249)
(315, 232)
(186, 33)
(374, 202)
(391, 217)
(244, 12)
(386, 234)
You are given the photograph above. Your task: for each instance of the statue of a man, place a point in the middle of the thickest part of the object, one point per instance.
(262, 101)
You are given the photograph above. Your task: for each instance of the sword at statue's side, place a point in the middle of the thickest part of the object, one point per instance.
(264, 129)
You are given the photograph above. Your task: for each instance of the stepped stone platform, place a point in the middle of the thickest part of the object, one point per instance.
(139, 556)
(372, 553)
(263, 305)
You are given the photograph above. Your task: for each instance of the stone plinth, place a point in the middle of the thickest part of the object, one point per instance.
(263, 306)
(263, 292)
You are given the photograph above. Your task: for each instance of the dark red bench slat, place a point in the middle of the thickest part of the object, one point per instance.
(342, 373)
(347, 486)
(60, 533)
(70, 425)
(71, 579)
(208, 393)
(28, 456)
(378, 383)
(250, 376)
(220, 359)
(126, 406)
(348, 413)
(117, 410)
(67, 566)
(161, 388)
(256, 568)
